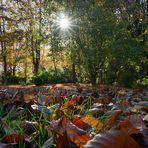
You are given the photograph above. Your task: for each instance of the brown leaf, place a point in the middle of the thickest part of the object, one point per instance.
(59, 113)
(63, 141)
(75, 134)
(103, 100)
(13, 138)
(137, 121)
(29, 97)
(127, 127)
(112, 139)
(112, 120)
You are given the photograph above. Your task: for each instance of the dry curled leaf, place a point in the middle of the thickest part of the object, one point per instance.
(112, 139)
(74, 134)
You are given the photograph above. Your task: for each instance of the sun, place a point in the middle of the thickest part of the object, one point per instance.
(64, 23)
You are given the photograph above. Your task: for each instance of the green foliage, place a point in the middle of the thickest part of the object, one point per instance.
(127, 78)
(104, 39)
(14, 80)
(50, 76)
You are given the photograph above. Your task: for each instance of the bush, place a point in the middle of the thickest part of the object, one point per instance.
(127, 78)
(41, 78)
(46, 77)
(13, 80)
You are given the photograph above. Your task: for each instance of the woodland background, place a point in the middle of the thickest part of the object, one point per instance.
(107, 42)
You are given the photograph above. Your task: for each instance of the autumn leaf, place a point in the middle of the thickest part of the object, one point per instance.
(71, 103)
(137, 121)
(63, 141)
(95, 123)
(13, 138)
(74, 134)
(126, 126)
(113, 117)
(112, 139)
(76, 120)
(103, 100)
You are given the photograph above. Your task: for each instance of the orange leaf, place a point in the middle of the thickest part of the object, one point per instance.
(74, 134)
(114, 117)
(68, 104)
(76, 121)
(95, 123)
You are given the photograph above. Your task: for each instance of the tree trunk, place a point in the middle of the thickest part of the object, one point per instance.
(13, 70)
(25, 72)
(3, 45)
(73, 73)
(147, 6)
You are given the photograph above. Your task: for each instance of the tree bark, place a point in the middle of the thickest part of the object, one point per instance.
(3, 45)
(73, 73)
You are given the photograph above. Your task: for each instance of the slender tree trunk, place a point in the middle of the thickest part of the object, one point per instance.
(35, 39)
(3, 45)
(25, 72)
(73, 72)
(53, 50)
(13, 70)
(147, 6)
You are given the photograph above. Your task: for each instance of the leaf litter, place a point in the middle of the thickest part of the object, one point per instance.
(68, 116)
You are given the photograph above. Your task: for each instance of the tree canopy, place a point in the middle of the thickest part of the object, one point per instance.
(97, 41)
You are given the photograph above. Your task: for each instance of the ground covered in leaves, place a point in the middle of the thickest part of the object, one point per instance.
(73, 116)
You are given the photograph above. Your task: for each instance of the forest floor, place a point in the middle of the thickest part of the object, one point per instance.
(73, 115)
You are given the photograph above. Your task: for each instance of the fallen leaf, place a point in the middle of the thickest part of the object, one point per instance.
(112, 120)
(137, 121)
(76, 120)
(74, 134)
(95, 123)
(63, 141)
(112, 139)
(103, 100)
(13, 138)
(127, 127)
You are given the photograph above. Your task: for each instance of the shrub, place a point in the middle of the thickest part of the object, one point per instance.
(127, 77)
(46, 77)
